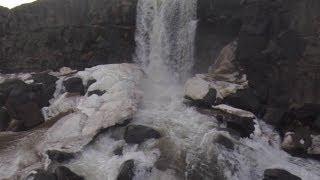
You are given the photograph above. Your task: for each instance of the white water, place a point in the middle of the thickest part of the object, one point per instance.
(165, 41)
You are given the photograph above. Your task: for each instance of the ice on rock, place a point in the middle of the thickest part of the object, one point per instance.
(94, 113)
(73, 120)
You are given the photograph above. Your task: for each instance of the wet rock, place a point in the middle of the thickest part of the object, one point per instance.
(23, 104)
(74, 85)
(118, 151)
(297, 142)
(126, 171)
(48, 86)
(236, 119)
(4, 119)
(279, 174)
(199, 91)
(41, 175)
(97, 92)
(136, 134)
(223, 140)
(204, 91)
(64, 173)
(58, 156)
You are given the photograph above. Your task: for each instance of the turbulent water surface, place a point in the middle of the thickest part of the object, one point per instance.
(165, 38)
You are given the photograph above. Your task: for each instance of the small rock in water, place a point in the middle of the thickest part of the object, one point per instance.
(224, 141)
(97, 92)
(136, 134)
(74, 85)
(59, 156)
(126, 171)
(279, 174)
(64, 173)
(118, 151)
(297, 142)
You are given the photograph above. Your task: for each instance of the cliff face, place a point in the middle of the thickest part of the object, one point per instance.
(278, 48)
(48, 34)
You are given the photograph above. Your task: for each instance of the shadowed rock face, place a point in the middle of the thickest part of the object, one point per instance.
(49, 34)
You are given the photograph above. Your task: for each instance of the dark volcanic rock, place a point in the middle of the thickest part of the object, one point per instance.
(63, 173)
(126, 171)
(279, 174)
(236, 119)
(74, 85)
(59, 156)
(97, 92)
(49, 34)
(48, 86)
(244, 99)
(136, 134)
(22, 104)
(41, 175)
(7, 86)
(60, 173)
(4, 119)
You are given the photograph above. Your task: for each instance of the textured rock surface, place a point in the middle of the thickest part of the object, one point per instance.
(49, 34)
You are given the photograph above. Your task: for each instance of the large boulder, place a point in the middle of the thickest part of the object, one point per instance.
(136, 134)
(279, 174)
(23, 104)
(236, 119)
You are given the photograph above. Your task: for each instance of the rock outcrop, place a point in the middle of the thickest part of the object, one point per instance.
(50, 34)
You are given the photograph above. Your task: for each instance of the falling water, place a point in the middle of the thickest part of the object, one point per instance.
(165, 48)
(165, 36)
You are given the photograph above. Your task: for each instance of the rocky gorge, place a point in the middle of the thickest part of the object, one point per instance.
(159, 89)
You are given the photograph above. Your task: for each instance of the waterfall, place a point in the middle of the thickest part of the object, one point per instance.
(165, 36)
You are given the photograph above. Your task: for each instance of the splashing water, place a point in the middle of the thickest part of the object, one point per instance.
(165, 44)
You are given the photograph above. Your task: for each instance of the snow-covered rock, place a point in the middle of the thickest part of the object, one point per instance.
(234, 111)
(73, 120)
(94, 113)
(198, 87)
